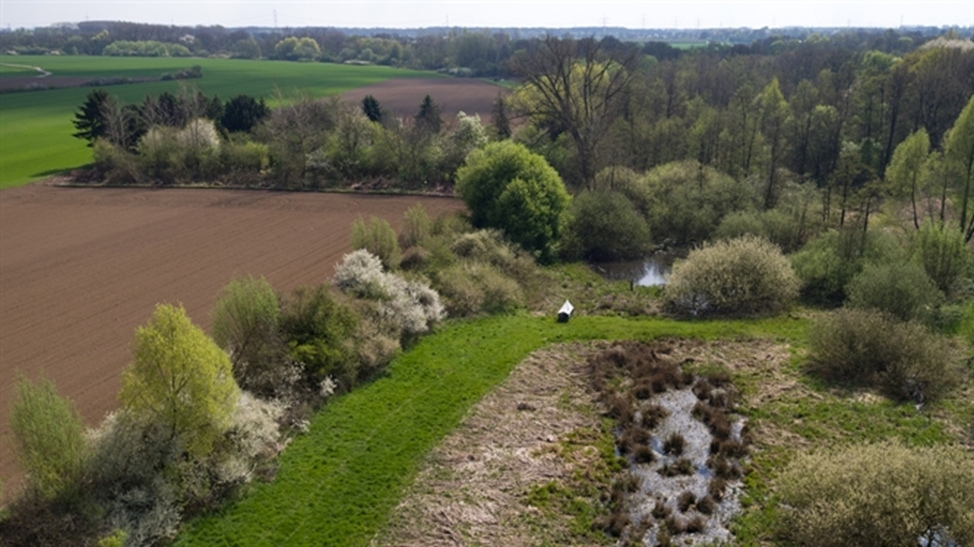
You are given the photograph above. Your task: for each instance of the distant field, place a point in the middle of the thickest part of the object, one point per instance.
(35, 127)
(403, 97)
(688, 45)
(7, 70)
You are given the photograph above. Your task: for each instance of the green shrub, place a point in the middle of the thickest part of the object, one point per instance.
(243, 162)
(944, 255)
(903, 290)
(869, 348)
(469, 288)
(878, 495)
(245, 324)
(378, 238)
(118, 165)
(775, 225)
(628, 183)
(115, 539)
(826, 264)
(416, 227)
(49, 437)
(508, 187)
(317, 329)
(606, 226)
(159, 156)
(742, 276)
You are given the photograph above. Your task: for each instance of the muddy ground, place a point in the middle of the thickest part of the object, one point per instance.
(81, 268)
(473, 488)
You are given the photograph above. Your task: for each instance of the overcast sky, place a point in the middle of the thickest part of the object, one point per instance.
(495, 13)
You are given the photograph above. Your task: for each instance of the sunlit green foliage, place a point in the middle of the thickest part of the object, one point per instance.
(378, 238)
(49, 437)
(181, 379)
(508, 187)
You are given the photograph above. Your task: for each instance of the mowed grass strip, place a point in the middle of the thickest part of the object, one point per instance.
(338, 483)
(36, 126)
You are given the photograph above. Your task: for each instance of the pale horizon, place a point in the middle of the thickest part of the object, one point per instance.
(704, 14)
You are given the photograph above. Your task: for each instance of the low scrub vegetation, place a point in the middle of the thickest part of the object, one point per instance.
(878, 494)
(869, 348)
(743, 276)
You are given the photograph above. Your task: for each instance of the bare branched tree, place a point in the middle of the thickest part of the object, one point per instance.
(577, 87)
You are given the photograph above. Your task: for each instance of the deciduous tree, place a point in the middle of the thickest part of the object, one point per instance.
(959, 153)
(506, 186)
(49, 437)
(905, 171)
(576, 87)
(180, 379)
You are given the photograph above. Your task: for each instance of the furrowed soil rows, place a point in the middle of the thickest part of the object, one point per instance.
(81, 268)
(453, 95)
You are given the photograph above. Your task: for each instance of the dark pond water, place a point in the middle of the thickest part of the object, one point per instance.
(647, 272)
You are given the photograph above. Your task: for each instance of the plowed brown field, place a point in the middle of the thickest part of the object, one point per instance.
(452, 95)
(81, 268)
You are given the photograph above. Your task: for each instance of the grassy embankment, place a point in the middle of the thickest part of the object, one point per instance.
(338, 483)
(35, 126)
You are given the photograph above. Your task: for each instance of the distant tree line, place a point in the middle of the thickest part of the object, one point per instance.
(483, 52)
(306, 144)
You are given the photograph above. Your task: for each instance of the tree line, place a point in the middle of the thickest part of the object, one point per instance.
(478, 52)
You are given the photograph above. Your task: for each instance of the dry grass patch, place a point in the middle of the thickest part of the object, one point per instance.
(531, 434)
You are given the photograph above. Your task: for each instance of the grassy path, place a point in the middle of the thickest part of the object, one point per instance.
(338, 483)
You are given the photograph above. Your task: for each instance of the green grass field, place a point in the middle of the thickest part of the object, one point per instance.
(35, 127)
(338, 483)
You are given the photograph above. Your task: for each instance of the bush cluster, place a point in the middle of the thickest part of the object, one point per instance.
(742, 276)
(606, 226)
(869, 348)
(184, 440)
(826, 264)
(902, 289)
(878, 494)
(307, 144)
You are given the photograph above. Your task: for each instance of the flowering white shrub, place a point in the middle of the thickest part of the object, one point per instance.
(199, 134)
(405, 306)
(127, 469)
(254, 432)
(360, 274)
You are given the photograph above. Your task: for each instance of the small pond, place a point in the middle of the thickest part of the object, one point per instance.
(646, 272)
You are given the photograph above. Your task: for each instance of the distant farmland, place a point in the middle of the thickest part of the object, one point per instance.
(35, 126)
(402, 97)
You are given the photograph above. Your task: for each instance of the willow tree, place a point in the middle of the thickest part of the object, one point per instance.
(576, 87)
(181, 380)
(959, 153)
(906, 169)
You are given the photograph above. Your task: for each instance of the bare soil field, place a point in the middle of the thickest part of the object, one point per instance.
(81, 268)
(403, 96)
